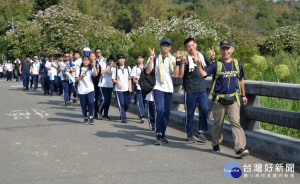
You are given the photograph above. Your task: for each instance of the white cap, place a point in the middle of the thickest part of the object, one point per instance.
(86, 49)
(35, 57)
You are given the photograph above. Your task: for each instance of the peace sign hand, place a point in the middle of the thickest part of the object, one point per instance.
(179, 57)
(152, 53)
(212, 53)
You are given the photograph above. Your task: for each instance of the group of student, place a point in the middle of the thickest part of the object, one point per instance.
(94, 78)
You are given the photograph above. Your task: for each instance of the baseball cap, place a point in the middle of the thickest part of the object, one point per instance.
(166, 40)
(35, 57)
(86, 49)
(225, 43)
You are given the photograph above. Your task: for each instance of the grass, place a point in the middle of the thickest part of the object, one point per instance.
(282, 104)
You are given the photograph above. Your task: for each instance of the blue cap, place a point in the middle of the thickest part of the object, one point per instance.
(166, 40)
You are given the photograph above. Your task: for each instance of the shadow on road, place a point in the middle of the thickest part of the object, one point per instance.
(146, 138)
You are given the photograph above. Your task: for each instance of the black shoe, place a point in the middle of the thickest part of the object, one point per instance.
(124, 121)
(24, 89)
(201, 137)
(91, 121)
(164, 140)
(85, 121)
(216, 149)
(190, 139)
(106, 118)
(241, 153)
(68, 103)
(158, 140)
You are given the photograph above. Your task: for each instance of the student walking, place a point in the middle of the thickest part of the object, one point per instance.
(52, 68)
(106, 87)
(135, 74)
(35, 71)
(195, 91)
(25, 69)
(67, 79)
(227, 88)
(86, 89)
(164, 64)
(122, 81)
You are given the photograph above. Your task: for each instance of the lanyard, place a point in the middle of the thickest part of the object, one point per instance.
(229, 75)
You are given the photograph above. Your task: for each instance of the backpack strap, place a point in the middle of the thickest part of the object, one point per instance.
(218, 72)
(237, 67)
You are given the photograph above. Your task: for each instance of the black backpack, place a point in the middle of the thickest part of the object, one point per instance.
(147, 81)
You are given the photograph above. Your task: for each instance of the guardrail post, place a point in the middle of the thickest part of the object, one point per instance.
(177, 83)
(248, 124)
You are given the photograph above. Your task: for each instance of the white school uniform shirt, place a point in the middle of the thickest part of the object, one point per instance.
(167, 85)
(1, 68)
(77, 64)
(106, 79)
(136, 72)
(85, 85)
(35, 66)
(123, 77)
(8, 67)
(150, 97)
(52, 69)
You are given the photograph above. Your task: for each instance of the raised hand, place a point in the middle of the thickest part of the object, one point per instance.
(152, 53)
(212, 53)
(179, 57)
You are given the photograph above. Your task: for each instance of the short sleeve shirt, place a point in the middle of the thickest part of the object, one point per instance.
(227, 82)
(122, 76)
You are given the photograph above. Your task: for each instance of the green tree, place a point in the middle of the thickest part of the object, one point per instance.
(43, 4)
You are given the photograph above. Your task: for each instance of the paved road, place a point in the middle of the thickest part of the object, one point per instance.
(42, 142)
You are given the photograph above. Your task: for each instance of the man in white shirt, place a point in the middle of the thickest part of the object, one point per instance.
(165, 65)
(9, 69)
(77, 62)
(35, 71)
(98, 93)
(52, 68)
(135, 74)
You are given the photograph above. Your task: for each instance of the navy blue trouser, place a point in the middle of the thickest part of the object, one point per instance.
(123, 99)
(53, 85)
(59, 85)
(46, 83)
(104, 99)
(163, 102)
(67, 87)
(140, 102)
(87, 100)
(9, 76)
(191, 100)
(25, 76)
(42, 82)
(151, 114)
(35, 80)
(96, 102)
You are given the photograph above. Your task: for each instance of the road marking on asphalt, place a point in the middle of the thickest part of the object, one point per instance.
(17, 143)
(26, 114)
(131, 149)
(16, 86)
